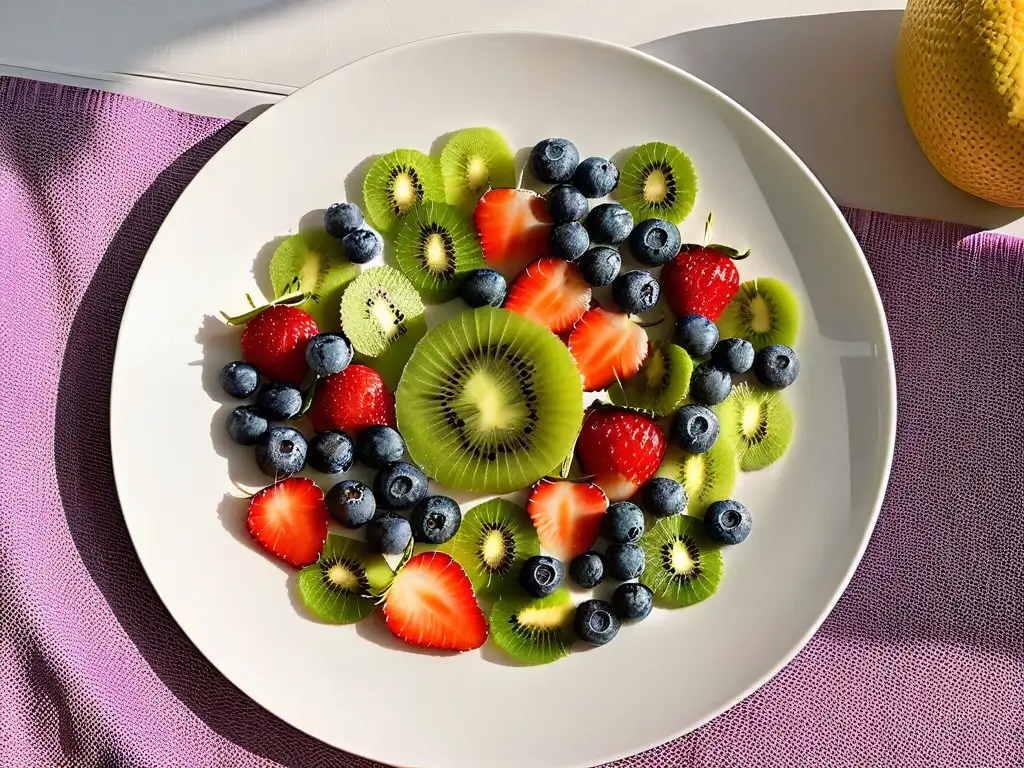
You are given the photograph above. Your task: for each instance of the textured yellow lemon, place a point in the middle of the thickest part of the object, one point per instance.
(960, 70)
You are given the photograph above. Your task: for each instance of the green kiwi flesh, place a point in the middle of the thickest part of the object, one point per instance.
(683, 565)
(661, 385)
(706, 477)
(489, 402)
(396, 183)
(338, 588)
(534, 631)
(473, 161)
(312, 262)
(758, 422)
(658, 181)
(764, 311)
(436, 245)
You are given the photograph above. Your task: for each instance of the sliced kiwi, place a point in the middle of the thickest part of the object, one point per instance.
(489, 401)
(398, 182)
(337, 587)
(707, 477)
(493, 542)
(658, 181)
(534, 631)
(662, 383)
(382, 315)
(764, 311)
(473, 161)
(758, 422)
(683, 565)
(436, 245)
(312, 262)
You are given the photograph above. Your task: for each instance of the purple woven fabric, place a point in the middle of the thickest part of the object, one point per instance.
(921, 664)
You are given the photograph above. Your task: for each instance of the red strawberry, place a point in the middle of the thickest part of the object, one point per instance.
(348, 401)
(701, 280)
(275, 342)
(567, 515)
(607, 346)
(514, 227)
(431, 603)
(289, 519)
(621, 448)
(551, 292)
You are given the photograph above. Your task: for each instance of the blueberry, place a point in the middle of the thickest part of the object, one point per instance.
(245, 425)
(609, 223)
(632, 602)
(636, 291)
(733, 355)
(623, 522)
(351, 503)
(362, 245)
(541, 575)
(328, 353)
(696, 334)
(596, 622)
(776, 366)
(625, 561)
(435, 519)
(664, 497)
(554, 160)
(239, 379)
(695, 428)
(484, 288)
(569, 240)
(587, 569)
(388, 534)
(281, 451)
(342, 218)
(600, 265)
(709, 384)
(654, 242)
(566, 203)
(378, 447)
(330, 453)
(727, 522)
(400, 486)
(278, 401)
(596, 177)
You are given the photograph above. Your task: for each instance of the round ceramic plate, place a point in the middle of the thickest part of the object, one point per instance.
(356, 687)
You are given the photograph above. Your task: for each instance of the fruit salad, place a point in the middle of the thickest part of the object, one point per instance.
(586, 452)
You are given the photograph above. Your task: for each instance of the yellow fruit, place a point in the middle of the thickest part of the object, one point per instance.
(960, 71)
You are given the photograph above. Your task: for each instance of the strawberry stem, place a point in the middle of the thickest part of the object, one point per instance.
(289, 300)
(707, 228)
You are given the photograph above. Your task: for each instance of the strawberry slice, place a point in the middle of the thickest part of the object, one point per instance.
(621, 448)
(567, 515)
(514, 227)
(348, 401)
(607, 346)
(551, 292)
(289, 519)
(431, 603)
(275, 342)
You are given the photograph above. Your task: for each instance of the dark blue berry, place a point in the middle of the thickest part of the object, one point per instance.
(623, 522)
(328, 353)
(776, 366)
(435, 519)
(351, 503)
(541, 575)
(330, 453)
(609, 223)
(554, 160)
(709, 384)
(727, 522)
(484, 288)
(239, 379)
(400, 486)
(388, 534)
(695, 428)
(362, 245)
(636, 291)
(569, 240)
(624, 561)
(245, 425)
(281, 451)
(596, 177)
(587, 569)
(664, 497)
(654, 242)
(342, 218)
(378, 447)
(733, 355)
(696, 334)
(600, 265)
(566, 203)
(632, 602)
(595, 622)
(278, 401)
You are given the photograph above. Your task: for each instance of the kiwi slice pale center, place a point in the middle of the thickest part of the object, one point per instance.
(682, 558)
(406, 189)
(655, 371)
(488, 402)
(544, 618)
(477, 172)
(497, 549)
(694, 473)
(759, 314)
(437, 251)
(342, 575)
(659, 186)
(390, 319)
(754, 421)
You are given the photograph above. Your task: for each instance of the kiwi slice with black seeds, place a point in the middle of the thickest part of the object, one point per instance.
(473, 161)
(312, 262)
(489, 402)
(396, 183)
(339, 587)
(435, 247)
(683, 565)
(661, 385)
(758, 422)
(534, 631)
(764, 311)
(658, 181)
(707, 477)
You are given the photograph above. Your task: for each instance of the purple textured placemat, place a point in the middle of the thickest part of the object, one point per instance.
(921, 663)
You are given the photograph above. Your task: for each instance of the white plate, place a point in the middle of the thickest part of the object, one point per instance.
(352, 686)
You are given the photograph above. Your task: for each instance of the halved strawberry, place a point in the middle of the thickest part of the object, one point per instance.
(567, 515)
(607, 346)
(348, 401)
(289, 518)
(431, 603)
(551, 292)
(275, 342)
(621, 448)
(701, 280)
(514, 227)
